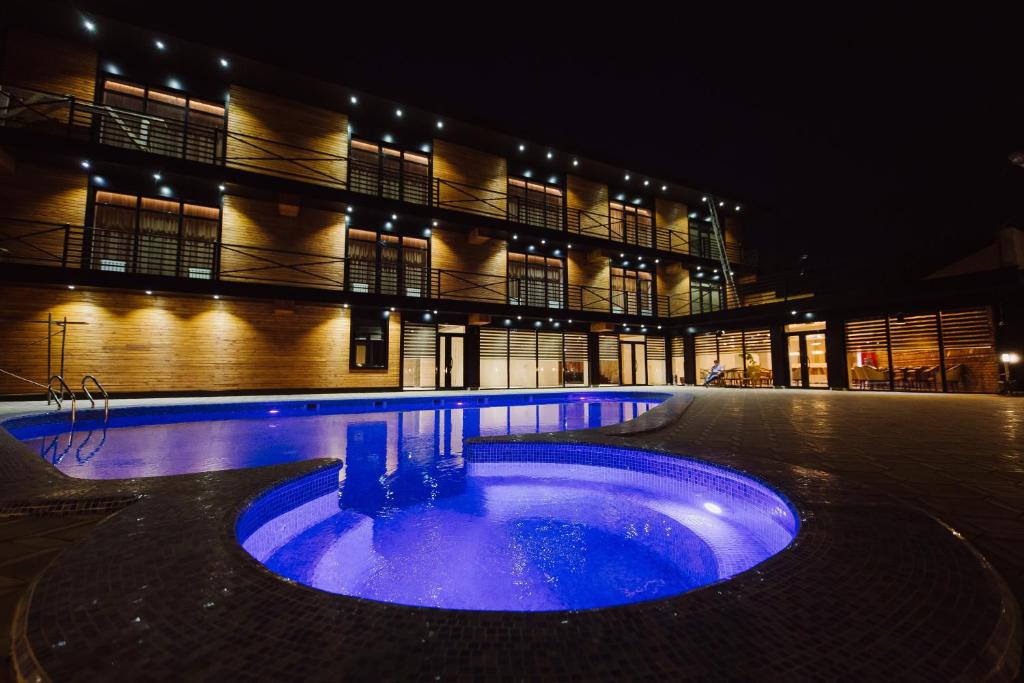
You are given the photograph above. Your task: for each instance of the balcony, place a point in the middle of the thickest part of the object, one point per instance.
(106, 250)
(385, 175)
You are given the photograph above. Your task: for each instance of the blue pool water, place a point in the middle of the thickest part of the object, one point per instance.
(406, 439)
(415, 516)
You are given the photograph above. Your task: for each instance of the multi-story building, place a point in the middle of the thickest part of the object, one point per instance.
(177, 219)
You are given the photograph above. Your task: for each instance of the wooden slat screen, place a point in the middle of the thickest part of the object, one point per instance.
(419, 341)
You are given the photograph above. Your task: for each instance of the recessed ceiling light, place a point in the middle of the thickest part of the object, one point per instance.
(221, 188)
(737, 207)
(646, 183)
(71, 286)
(721, 203)
(216, 296)
(398, 113)
(627, 176)
(85, 164)
(522, 148)
(149, 291)
(353, 99)
(664, 187)
(440, 124)
(703, 199)
(89, 26)
(224, 63)
(159, 44)
(575, 162)
(156, 176)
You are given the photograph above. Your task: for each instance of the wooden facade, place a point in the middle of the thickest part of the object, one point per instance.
(470, 180)
(284, 138)
(39, 200)
(139, 343)
(49, 64)
(282, 242)
(472, 271)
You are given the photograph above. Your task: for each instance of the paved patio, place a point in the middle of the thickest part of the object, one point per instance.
(960, 458)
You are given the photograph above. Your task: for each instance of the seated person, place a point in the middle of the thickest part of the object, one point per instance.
(716, 371)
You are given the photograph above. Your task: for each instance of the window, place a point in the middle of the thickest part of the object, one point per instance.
(533, 203)
(419, 356)
(745, 354)
(631, 224)
(161, 121)
(387, 264)
(535, 280)
(369, 347)
(135, 234)
(705, 296)
(632, 291)
(528, 359)
(702, 241)
(389, 172)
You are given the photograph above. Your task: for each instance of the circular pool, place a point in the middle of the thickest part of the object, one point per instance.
(525, 527)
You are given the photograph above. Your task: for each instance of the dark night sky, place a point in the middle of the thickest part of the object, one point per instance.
(866, 136)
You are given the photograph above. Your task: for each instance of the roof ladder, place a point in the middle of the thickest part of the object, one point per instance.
(723, 258)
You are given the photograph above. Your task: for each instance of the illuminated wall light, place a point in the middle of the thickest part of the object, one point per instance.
(550, 155)
(216, 296)
(394, 216)
(224, 63)
(222, 187)
(99, 180)
(434, 224)
(387, 226)
(568, 246)
(157, 177)
(353, 99)
(85, 164)
(435, 312)
(159, 44)
(440, 124)
(737, 207)
(166, 191)
(149, 291)
(721, 203)
(623, 255)
(570, 321)
(398, 113)
(348, 209)
(426, 232)
(519, 317)
(522, 148)
(693, 214)
(387, 137)
(515, 237)
(507, 321)
(88, 26)
(664, 187)
(700, 267)
(344, 305)
(543, 241)
(703, 199)
(71, 286)
(646, 183)
(627, 176)
(530, 248)
(552, 180)
(792, 312)
(657, 260)
(174, 83)
(575, 162)
(659, 327)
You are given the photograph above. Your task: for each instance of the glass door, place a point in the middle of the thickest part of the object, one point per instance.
(633, 356)
(807, 365)
(451, 361)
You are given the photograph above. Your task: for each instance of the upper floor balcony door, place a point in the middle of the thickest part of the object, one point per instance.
(534, 203)
(160, 121)
(387, 264)
(631, 224)
(632, 291)
(537, 281)
(389, 172)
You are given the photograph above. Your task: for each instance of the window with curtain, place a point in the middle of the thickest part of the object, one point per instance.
(631, 224)
(389, 172)
(157, 236)
(632, 291)
(161, 121)
(535, 280)
(534, 203)
(387, 264)
(705, 296)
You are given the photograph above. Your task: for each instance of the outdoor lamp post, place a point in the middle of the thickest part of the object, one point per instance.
(1009, 358)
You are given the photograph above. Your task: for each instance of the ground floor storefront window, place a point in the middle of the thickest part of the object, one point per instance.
(745, 354)
(931, 352)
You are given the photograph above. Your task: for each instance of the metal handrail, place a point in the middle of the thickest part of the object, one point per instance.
(92, 401)
(60, 401)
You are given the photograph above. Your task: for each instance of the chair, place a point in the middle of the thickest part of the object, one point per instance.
(955, 376)
(873, 376)
(860, 379)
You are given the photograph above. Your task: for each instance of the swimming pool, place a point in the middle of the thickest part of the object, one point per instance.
(407, 438)
(416, 515)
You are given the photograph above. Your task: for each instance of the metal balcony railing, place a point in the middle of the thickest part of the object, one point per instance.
(65, 115)
(111, 250)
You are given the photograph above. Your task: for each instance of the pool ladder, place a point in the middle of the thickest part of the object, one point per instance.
(52, 395)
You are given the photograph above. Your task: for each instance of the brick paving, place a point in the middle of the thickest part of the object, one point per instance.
(960, 458)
